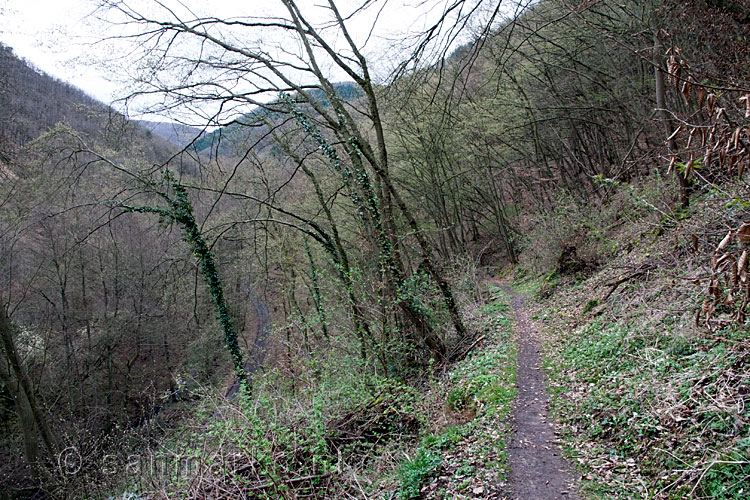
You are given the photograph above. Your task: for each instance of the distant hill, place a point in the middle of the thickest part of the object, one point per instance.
(176, 133)
(232, 139)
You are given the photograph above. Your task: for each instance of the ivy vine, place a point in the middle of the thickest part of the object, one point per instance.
(181, 212)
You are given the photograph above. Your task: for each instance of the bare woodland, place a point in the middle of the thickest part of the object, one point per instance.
(334, 216)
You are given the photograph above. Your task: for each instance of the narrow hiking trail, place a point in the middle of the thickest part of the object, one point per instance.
(537, 469)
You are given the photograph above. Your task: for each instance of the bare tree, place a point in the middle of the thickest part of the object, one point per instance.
(31, 415)
(215, 67)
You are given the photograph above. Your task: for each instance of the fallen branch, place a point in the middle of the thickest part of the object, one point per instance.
(472, 346)
(639, 272)
(716, 462)
(293, 480)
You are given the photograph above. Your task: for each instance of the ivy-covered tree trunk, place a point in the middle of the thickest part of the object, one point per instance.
(181, 212)
(363, 195)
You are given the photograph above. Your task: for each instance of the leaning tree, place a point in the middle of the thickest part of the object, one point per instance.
(287, 61)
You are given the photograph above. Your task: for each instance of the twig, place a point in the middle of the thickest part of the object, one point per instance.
(293, 480)
(467, 351)
(619, 282)
(715, 462)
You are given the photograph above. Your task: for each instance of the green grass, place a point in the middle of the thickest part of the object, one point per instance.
(528, 284)
(661, 410)
(415, 472)
(483, 385)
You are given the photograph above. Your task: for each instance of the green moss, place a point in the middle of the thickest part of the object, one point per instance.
(590, 305)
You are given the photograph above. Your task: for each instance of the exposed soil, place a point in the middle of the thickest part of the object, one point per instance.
(537, 471)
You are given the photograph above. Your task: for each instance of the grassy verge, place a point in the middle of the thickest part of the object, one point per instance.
(465, 455)
(650, 405)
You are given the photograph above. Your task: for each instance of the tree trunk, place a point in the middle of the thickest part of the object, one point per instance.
(26, 403)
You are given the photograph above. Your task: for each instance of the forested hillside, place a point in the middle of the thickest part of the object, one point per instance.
(178, 134)
(32, 102)
(345, 286)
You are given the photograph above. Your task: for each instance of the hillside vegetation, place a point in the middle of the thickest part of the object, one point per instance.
(650, 394)
(307, 300)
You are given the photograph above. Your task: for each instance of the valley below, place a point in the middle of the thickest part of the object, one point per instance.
(442, 250)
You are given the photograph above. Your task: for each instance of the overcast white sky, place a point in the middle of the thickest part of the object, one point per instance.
(59, 36)
(53, 35)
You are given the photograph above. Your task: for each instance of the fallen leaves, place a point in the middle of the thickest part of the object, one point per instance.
(645, 404)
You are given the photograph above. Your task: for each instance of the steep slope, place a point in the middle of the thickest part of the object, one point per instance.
(32, 102)
(56, 209)
(650, 387)
(539, 155)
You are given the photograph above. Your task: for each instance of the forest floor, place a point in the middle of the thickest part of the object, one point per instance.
(499, 443)
(537, 469)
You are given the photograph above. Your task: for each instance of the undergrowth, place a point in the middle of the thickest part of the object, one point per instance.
(650, 403)
(279, 445)
(666, 414)
(339, 428)
(466, 453)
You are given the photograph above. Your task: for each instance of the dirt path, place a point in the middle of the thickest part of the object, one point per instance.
(537, 471)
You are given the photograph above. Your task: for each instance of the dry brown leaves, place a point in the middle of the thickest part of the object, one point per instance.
(715, 134)
(728, 288)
